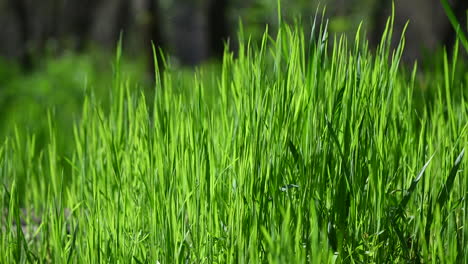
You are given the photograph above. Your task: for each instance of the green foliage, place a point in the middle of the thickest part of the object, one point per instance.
(58, 85)
(292, 152)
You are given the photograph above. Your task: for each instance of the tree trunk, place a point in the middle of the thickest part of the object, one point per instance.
(19, 10)
(154, 35)
(218, 26)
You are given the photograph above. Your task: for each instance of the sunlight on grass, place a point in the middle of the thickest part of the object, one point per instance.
(295, 151)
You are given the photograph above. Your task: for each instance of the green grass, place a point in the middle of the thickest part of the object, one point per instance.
(295, 151)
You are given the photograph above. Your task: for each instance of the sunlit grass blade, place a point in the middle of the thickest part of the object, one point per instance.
(406, 197)
(444, 193)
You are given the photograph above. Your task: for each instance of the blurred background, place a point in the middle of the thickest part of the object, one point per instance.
(195, 30)
(51, 51)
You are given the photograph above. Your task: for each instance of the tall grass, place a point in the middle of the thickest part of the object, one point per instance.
(294, 151)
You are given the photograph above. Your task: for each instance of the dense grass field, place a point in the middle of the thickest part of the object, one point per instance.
(297, 150)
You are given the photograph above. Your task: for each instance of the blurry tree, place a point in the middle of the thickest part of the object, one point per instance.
(14, 20)
(195, 30)
(218, 26)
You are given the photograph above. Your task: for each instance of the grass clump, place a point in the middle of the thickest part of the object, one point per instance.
(292, 152)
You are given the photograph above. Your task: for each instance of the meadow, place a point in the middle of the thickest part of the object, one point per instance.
(299, 149)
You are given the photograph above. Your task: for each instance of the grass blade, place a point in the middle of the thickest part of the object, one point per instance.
(409, 192)
(445, 192)
(455, 24)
